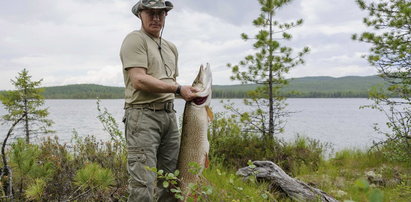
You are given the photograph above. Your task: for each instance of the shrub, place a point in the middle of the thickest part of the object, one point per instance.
(93, 182)
(233, 148)
(25, 165)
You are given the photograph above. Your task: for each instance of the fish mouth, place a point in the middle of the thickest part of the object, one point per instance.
(200, 100)
(203, 82)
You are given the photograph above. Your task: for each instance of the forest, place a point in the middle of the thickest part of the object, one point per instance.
(305, 87)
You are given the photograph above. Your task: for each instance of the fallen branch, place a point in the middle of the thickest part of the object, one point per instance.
(280, 181)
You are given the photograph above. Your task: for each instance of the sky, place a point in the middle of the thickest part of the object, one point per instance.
(78, 41)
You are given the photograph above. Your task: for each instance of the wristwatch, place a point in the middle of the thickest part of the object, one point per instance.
(178, 90)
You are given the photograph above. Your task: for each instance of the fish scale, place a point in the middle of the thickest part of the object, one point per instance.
(194, 142)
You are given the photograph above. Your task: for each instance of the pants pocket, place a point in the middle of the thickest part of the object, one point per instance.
(136, 162)
(136, 154)
(133, 120)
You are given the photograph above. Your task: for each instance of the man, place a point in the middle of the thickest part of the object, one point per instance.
(150, 71)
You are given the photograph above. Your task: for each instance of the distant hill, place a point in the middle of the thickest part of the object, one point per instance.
(305, 87)
(349, 86)
(83, 91)
(311, 87)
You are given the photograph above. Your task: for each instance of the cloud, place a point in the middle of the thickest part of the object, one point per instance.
(102, 76)
(78, 38)
(78, 41)
(213, 41)
(231, 11)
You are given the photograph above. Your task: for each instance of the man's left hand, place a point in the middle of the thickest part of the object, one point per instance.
(188, 93)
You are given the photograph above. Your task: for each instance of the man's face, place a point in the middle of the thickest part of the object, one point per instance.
(153, 20)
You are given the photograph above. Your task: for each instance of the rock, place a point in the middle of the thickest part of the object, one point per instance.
(374, 178)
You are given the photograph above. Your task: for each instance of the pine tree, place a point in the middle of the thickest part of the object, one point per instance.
(390, 53)
(267, 68)
(24, 106)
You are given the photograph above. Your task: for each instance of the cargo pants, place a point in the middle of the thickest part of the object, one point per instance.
(153, 140)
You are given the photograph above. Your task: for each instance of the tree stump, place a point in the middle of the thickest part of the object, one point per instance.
(280, 181)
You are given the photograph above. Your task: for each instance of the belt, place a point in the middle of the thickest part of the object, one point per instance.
(155, 106)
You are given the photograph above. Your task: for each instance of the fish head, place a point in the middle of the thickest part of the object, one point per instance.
(203, 83)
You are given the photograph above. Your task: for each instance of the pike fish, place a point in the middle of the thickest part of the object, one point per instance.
(194, 143)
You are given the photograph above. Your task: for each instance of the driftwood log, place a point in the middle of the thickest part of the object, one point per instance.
(280, 181)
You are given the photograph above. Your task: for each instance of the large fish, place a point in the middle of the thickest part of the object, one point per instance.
(196, 117)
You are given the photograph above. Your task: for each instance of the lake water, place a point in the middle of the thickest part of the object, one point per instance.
(336, 121)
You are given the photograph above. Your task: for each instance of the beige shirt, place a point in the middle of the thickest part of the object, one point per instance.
(141, 50)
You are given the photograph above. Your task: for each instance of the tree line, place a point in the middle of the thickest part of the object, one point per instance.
(306, 87)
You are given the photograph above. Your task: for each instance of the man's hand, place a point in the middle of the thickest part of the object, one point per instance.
(188, 93)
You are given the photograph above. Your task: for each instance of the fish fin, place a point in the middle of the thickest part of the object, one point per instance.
(207, 161)
(209, 113)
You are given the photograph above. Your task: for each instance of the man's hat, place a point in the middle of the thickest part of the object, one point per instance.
(151, 4)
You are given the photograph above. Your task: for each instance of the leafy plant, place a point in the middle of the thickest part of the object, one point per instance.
(195, 191)
(366, 192)
(110, 125)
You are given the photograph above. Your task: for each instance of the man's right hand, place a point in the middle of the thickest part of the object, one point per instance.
(188, 93)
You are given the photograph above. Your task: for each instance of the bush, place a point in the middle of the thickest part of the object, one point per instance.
(87, 170)
(233, 148)
(26, 167)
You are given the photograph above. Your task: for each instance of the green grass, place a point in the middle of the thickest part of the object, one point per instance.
(343, 177)
(229, 187)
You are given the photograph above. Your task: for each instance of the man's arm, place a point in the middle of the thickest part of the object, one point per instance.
(142, 81)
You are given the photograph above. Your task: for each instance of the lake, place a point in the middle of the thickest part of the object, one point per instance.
(338, 121)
